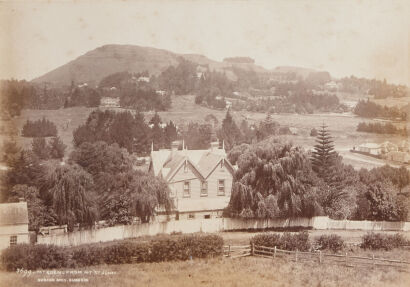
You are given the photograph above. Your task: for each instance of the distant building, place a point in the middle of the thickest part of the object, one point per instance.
(398, 156)
(370, 148)
(388, 147)
(13, 224)
(143, 79)
(200, 181)
(108, 102)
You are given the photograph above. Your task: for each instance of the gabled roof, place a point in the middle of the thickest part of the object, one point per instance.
(167, 163)
(13, 213)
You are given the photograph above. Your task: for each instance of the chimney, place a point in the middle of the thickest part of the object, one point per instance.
(21, 199)
(174, 148)
(214, 146)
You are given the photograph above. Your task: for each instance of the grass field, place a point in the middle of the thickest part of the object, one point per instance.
(247, 271)
(342, 126)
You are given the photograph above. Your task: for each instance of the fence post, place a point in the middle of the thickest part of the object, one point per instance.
(346, 259)
(274, 252)
(253, 249)
(296, 255)
(229, 250)
(320, 256)
(374, 262)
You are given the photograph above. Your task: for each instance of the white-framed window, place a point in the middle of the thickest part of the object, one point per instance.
(207, 216)
(191, 216)
(13, 240)
(187, 189)
(221, 187)
(204, 188)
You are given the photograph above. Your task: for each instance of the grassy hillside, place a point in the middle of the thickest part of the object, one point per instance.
(184, 110)
(109, 59)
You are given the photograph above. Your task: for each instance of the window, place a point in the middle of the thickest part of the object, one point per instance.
(13, 240)
(191, 216)
(187, 191)
(204, 188)
(221, 187)
(207, 216)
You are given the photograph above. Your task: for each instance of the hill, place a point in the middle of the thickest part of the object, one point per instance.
(299, 71)
(109, 59)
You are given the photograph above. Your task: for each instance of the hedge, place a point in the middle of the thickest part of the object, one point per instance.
(331, 242)
(383, 241)
(299, 241)
(41, 256)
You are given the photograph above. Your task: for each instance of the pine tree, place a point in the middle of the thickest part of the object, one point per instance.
(323, 155)
(57, 148)
(40, 148)
(229, 132)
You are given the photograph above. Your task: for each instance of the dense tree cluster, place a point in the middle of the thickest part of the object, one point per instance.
(143, 98)
(368, 109)
(97, 179)
(276, 179)
(212, 88)
(121, 193)
(13, 94)
(39, 128)
(127, 130)
(82, 96)
(379, 89)
(53, 149)
(180, 80)
(273, 179)
(381, 128)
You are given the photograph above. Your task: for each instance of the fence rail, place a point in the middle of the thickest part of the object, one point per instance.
(235, 251)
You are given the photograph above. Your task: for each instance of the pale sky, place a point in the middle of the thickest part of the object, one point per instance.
(363, 38)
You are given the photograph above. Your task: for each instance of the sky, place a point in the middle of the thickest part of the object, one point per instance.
(367, 38)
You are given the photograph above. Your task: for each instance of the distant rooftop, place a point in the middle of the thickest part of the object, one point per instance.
(13, 213)
(165, 161)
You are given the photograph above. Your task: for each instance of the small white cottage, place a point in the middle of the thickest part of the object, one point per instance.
(13, 224)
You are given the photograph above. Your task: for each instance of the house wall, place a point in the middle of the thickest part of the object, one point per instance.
(21, 231)
(177, 182)
(217, 174)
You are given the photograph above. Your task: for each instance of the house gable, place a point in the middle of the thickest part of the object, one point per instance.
(185, 171)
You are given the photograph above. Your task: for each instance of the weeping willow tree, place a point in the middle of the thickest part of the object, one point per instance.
(273, 179)
(70, 188)
(134, 194)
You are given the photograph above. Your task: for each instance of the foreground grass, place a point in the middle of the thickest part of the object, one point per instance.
(248, 271)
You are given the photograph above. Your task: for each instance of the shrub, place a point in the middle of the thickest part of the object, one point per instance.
(169, 248)
(382, 241)
(299, 241)
(331, 242)
(33, 257)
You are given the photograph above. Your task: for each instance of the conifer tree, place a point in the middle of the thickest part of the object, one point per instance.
(324, 154)
(57, 148)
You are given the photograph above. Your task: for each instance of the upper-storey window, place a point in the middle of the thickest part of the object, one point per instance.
(221, 187)
(187, 189)
(204, 188)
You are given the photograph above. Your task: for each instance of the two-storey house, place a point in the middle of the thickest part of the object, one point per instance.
(200, 181)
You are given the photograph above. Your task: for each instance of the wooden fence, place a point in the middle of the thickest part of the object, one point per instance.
(320, 257)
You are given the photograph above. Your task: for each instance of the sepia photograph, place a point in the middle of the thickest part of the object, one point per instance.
(204, 143)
